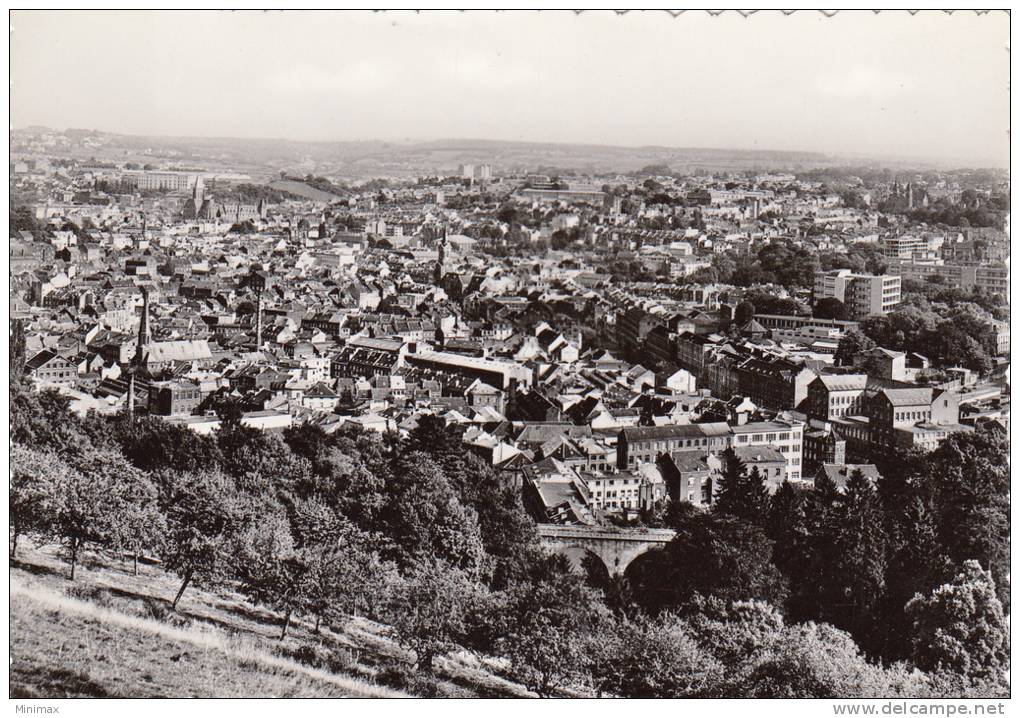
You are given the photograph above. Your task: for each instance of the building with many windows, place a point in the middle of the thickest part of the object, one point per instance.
(638, 445)
(864, 295)
(991, 277)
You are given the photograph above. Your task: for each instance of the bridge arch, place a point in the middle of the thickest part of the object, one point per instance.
(616, 547)
(577, 553)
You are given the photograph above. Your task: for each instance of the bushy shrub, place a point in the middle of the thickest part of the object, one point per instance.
(334, 660)
(93, 594)
(404, 677)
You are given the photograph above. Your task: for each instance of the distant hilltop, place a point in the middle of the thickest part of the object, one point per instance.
(383, 157)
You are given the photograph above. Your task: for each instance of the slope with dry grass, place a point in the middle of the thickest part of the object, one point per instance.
(113, 633)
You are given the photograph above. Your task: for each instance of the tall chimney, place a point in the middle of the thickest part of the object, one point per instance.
(131, 393)
(258, 321)
(143, 327)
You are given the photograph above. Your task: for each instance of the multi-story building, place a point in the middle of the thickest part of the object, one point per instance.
(508, 376)
(832, 396)
(786, 437)
(822, 335)
(909, 417)
(633, 326)
(774, 382)
(49, 369)
(645, 444)
(693, 352)
(1001, 332)
(691, 475)
(864, 295)
(769, 461)
(174, 398)
(911, 247)
(822, 445)
(160, 181)
(622, 490)
(872, 295)
(990, 277)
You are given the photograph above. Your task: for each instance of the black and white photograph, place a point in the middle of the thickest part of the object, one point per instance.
(481, 354)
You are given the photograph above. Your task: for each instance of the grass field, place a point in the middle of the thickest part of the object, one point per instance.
(112, 634)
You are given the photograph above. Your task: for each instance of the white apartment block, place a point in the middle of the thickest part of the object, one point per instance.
(864, 295)
(785, 436)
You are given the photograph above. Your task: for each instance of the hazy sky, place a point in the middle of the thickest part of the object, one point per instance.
(931, 85)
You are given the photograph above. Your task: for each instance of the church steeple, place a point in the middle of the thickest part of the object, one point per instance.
(144, 337)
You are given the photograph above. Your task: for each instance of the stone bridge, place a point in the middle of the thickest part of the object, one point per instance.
(617, 547)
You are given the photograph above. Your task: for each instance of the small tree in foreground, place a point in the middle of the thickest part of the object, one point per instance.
(203, 512)
(819, 661)
(657, 658)
(35, 475)
(271, 570)
(552, 630)
(102, 501)
(428, 610)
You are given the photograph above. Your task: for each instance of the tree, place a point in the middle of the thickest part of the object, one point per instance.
(508, 532)
(271, 570)
(790, 531)
(713, 554)
(43, 420)
(347, 472)
(343, 565)
(17, 350)
(829, 308)
(204, 511)
(431, 436)
(426, 520)
(738, 634)
(854, 342)
(549, 628)
(916, 564)
(152, 444)
(35, 475)
(427, 609)
(969, 479)
(960, 626)
(861, 548)
(102, 501)
(23, 219)
(770, 303)
(344, 578)
(819, 661)
(260, 462)
(741, 494)
(743, 313)
(657, 658)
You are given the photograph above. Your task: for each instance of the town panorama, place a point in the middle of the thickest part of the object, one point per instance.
(468, 419)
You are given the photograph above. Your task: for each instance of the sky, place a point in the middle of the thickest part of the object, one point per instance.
(932, 86)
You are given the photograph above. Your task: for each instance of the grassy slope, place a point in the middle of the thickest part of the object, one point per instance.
(64, 647)
(112, 633)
